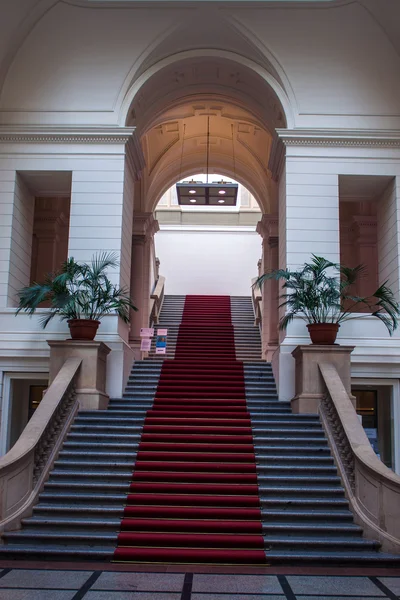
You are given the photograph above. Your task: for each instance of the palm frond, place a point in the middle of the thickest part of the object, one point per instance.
(79, 290)
(319, 293)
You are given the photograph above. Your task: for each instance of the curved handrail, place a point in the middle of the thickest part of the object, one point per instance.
(257, 302)
(372, 488)
(156, 300)
(25, 467)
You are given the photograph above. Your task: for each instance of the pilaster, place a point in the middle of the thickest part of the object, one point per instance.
(267, 228)
(145, 226)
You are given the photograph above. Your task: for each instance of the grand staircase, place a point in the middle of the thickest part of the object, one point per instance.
(198, 462)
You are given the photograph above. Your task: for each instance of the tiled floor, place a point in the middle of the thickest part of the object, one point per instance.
(60, 584)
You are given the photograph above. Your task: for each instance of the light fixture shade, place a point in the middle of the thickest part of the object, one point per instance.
(197, 193)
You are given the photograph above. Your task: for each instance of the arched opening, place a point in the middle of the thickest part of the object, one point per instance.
(182, 110)
(208, 249)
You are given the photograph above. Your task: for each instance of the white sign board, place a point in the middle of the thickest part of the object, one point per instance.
(161, 350)
(147, 332)
(162, 331)
(145, 345)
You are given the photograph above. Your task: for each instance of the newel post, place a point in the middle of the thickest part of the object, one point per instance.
(91, 378)
(309, 385)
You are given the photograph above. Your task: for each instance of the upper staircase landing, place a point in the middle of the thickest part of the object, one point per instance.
(247, 334)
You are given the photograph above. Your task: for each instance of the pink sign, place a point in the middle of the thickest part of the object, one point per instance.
(145, 345)
(146, 332)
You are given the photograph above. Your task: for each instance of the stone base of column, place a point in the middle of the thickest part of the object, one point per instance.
(309, 385)
(270, 351)
(91, 379)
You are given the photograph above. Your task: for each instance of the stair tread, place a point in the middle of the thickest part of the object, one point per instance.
(198, 432)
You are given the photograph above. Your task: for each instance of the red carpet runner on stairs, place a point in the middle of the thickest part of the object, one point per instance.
(194, 493)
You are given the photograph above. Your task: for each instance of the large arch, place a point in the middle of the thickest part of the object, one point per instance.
(169, 107)
(176, 146)
(271, 84)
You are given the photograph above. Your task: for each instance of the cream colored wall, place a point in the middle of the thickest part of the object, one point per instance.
(332, 67)
(208, 262)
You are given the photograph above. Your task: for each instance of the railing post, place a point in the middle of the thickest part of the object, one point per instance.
(309, 384)
(91, 380)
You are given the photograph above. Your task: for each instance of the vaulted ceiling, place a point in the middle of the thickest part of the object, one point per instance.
(176, 146)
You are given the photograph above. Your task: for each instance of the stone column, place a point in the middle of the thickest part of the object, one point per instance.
(268, 230)
(144, 229)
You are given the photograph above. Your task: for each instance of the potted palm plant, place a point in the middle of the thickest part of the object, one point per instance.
(81, 294)
(320, 294)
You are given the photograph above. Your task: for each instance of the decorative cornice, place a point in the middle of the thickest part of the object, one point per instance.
(267, 228)
(144, 225)
(66, 135)
(340, 137)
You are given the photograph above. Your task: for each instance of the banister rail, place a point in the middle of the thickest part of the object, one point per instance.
(24, 469)
(257, 302)
(372, 489)
(156, 300)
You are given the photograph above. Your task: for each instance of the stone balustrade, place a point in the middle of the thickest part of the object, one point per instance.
(24, 469)
(373, 490)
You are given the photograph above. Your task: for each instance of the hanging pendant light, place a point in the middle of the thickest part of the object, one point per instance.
(198, 193)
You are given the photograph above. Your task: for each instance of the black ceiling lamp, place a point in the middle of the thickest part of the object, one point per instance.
(198, 193)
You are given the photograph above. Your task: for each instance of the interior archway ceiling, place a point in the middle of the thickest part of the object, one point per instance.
(239, 146)
(208, 77)
(171, 112)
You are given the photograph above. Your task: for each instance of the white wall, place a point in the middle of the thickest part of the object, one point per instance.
(97, 210)
(312, 176)
(312, 213)
(21, 240)
(127, 220)
(388, 238)
(97, 223)
(16, 223)
(208, 262)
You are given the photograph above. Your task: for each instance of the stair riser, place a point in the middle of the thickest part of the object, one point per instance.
(218, 442)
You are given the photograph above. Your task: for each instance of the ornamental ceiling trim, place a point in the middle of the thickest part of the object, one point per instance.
(66, 135)
(340, 137)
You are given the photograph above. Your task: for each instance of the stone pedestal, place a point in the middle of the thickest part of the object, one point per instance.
(91, 380)
(309, 385)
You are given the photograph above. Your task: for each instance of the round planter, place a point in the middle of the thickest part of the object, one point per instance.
(83, 329)
(323, 333)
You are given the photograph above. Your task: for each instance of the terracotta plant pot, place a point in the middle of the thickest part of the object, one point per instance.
(323, 333)
(83, 329)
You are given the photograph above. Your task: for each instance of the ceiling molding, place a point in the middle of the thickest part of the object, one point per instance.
(340, 137)
(66, 135)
